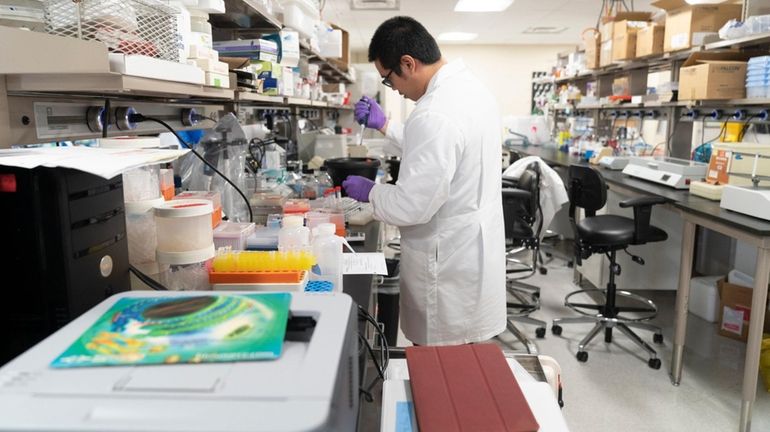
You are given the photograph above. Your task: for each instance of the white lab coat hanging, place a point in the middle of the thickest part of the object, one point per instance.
(447, 204)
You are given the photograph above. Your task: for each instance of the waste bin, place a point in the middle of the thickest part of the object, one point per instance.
(387, 302)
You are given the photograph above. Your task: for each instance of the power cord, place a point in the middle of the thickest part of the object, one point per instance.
(150, 282)
(140, 118)
(380, 364)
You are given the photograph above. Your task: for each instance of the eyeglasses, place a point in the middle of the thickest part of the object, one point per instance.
(386, 81)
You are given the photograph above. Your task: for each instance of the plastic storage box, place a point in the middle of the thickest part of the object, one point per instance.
(264, 204)
(213, 196)
(233, 234)
(141, 184)
(184, 225)
(263, 239)
(704, 297)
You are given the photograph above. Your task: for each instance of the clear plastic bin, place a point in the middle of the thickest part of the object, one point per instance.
(263, 239)
(213, 196)
(141, 231)
(184, 225)
(264, 204)
(759, 59)
(186, 271)
(141, 184)
(758, 24)
(757, 92)
(233, 234)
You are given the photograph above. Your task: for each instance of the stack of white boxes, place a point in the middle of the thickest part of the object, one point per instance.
(208, 60)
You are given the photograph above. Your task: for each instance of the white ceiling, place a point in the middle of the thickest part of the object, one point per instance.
(506, 27)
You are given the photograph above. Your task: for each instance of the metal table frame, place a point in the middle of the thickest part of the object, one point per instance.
(757, 235)
(758, 302)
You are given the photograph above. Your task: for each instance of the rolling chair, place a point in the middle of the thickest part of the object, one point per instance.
(523, 224)
(608, 234)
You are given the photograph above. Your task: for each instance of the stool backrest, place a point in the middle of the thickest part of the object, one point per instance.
(587, 190)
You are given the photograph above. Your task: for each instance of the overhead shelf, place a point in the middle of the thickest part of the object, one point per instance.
(248, 96)
(248, 15)
(112, 84)
(328, 69)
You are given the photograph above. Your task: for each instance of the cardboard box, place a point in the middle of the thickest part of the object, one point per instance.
(713, 76)
(649, 40)
(735, 311)
(608, 23)
(624, 39)
(605, 54)
(683, 19)
(592, 40)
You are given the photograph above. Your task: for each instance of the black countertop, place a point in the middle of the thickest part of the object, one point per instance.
(680, 199)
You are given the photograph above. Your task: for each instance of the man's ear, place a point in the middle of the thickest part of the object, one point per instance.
(408, 63)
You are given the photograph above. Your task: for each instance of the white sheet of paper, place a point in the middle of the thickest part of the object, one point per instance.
(105, 162)
(365, 263)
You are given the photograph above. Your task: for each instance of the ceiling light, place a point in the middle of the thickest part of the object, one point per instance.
(457, 36)
(544, 30)
(374, 5)
(482, 5)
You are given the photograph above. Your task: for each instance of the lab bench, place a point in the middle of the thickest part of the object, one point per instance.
(696, 211)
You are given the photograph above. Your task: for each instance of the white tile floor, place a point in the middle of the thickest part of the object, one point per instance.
(616, 390)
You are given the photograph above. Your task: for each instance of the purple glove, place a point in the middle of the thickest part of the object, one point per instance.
(369, 113)
(358, 187)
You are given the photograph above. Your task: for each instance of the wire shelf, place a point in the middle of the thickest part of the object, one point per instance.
(146, 27)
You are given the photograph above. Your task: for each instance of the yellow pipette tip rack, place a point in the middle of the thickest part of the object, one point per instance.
(228, 261)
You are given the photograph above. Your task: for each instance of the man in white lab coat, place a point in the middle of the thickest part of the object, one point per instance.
(447, 201)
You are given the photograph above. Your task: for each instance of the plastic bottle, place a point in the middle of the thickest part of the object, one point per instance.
(324, 180)
(327, 249)
(309, 184)
(294, 235)
(294, 181)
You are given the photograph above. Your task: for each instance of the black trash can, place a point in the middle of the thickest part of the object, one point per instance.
(387, 302)
(340, 168)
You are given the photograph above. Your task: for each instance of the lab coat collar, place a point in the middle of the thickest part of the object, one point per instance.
(450, 69)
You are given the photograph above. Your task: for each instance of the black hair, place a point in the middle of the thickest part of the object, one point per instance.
(400, 36)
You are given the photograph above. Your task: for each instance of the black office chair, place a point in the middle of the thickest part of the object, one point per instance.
(607, 234)
(523, 224)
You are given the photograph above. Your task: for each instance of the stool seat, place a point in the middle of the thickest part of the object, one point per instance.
(612, 230)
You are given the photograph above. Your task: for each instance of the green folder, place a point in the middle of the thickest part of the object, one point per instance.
(189, 329)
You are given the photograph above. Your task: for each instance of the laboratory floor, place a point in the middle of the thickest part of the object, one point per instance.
(616, 390)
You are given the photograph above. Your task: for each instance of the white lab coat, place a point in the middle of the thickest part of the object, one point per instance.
(447, 203)
(553, 194)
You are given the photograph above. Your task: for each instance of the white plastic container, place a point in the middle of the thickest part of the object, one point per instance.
(704, 297)
(294, 235)
(327, 249)
(141, 231)
(184, 225)
(185, 271)
(233, 234)
(330, 42)
(301, 15)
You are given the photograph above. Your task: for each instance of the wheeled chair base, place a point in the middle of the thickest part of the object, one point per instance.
(607, 324)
